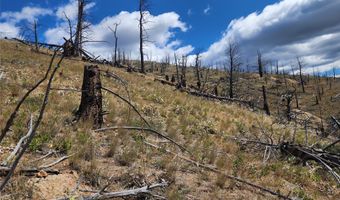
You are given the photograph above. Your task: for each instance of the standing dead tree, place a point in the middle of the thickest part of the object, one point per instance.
(334, 73)
(260, 65)
(35, 35)
(80, 27)
(114, 31)
(30, 32)
(259, 62)
(302, 82)
(233, 62)
(287, 99)
(142, 35)
(184, 71)
(91, 99)
(179, 85)
(197, 70)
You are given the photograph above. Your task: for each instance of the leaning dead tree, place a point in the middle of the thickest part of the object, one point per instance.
(90, 108)
(14, 114)
(233, 63)
(32, 131)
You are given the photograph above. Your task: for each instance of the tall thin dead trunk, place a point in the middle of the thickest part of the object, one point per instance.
(265, 101)
(197, 70)
(79, 30)
(260, 64)
(301, 78)
(177, 71)
(36, 36)
(141, 34)
(334, 73)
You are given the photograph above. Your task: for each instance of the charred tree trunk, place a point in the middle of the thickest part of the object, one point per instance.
(36, 36)
(301, 78)
(79, 31)
(296, 100)
(90, 108)
(265, 101)
(259, 61)
(197, 70)
(116, 44)
(141, 34)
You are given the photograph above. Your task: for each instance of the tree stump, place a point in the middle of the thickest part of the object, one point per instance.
(90, 108)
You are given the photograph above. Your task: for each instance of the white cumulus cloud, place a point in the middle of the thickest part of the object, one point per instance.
(9, 20)
(160, 30)
(26, 13)
(284, 30)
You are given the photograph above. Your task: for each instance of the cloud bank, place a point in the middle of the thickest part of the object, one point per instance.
(285, 30)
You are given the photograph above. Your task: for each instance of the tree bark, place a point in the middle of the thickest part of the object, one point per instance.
(91, 97)
(265, 101)
(301, 78)
(79, 32)
(141, 35)
(36, 36)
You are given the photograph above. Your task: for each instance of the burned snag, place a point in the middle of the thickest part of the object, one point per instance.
(91, 97)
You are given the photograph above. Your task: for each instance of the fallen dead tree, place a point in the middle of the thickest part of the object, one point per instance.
(213, 169)
(31, 43)
(29, 171)
(195, 92)
(329, 161)
(146, 190)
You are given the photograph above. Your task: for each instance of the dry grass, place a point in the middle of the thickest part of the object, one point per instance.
(200, 125)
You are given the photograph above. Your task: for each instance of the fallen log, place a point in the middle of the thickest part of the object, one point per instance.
(206, 95)
(29, 171)
(213, 169)
(126, 193)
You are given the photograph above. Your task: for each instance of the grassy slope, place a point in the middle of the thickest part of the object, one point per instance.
(201, 125)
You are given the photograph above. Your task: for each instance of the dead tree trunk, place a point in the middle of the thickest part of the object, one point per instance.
(197, 69)
(142, 13)
(301, 78)
(36, 36)
(80, 26)
(179, 85)
(296, 100)
(91, 97)
(114, 31)
(259, 61)
(265, 101)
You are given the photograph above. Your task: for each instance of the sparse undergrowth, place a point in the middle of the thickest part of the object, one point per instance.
(204, 127)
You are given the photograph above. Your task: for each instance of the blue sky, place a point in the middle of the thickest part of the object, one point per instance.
(282, 30)
(205, 28)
